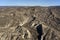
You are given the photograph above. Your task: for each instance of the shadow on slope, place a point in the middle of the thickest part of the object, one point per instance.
(39, 30)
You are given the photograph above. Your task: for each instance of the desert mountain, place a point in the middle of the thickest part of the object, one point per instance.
(29, 23)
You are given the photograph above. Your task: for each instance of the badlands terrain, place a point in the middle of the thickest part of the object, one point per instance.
(29, 23)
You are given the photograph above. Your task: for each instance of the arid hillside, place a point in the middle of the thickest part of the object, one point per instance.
(29, 23)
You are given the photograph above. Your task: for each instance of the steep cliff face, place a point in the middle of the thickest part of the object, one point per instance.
(30, 23)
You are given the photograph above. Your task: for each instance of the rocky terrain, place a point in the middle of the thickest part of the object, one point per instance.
(30, 23)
